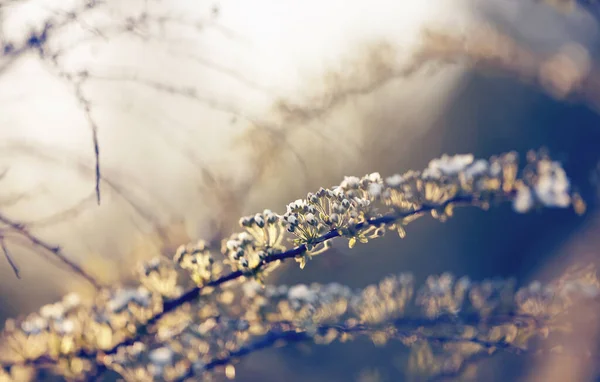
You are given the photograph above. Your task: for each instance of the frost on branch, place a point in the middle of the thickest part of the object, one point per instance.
(197, 315)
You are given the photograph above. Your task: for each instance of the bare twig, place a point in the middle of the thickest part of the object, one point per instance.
(62, 215)
(8, 258)
(55, 250)
(36, 41)
(85, 104)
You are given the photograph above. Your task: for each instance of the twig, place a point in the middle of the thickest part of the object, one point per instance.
(62, 215)
(289, 334)
(55, 250)
(37, 40)
(85, 104)
(8, 258)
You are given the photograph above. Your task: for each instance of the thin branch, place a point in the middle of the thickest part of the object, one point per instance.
(46, 154)
(85, 103)
(36, 41)
(288, 334)
(55, 250)
(190, 93)
(487, 48)
(14, 198)
(62, 215)
(227, 71)
(8, 258)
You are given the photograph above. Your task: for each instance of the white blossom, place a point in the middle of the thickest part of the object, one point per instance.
(479, 167)
(394, 180)
(448, 165)
(375, 189)
(552, 186)
(65, 326)
(52, 311)
(124, 296)
(34, 325)
(301, 292)
(350, 182)
(161, 356)
(523, 202)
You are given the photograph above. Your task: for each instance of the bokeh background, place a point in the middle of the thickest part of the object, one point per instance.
(206, 111)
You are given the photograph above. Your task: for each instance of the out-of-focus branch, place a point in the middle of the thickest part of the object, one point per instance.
(86, 105)
(9, 258)
(36, 41)
(60, 216)
(287, 333)
(567, 74)
(56, 251)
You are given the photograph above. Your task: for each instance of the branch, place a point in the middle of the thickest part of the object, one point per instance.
(283, 333)
(36, 41)
(55, 250)
(567, 74)
(358, 209)
(194, 293)
(85, 103)
(8, 258)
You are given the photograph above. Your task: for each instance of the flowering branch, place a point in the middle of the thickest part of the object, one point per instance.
(172, 330)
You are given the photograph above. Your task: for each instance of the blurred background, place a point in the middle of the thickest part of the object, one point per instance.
(203, 111)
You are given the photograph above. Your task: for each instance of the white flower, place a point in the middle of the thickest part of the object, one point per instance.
(53, 311)
(291, 219)
(375, 189)
(495, 169)
(439, 285)
(296, 206)
(448, 165)
(552, 187)
(244, 237)
(350, 182)
(161, 356)
(251, 288)
(535, 287)
(337, 191)
(335, 218)
(337, 289)
(524, 200)
(478, 168)
(260, 221)
(301, 292)
(270, 216)
(65, 326)
(406, 279)
(394, 180)
(232, 244)
(310, 219)
(463, 283)
(71, 300)
(374, 177)
(124, 296)
(34, 325)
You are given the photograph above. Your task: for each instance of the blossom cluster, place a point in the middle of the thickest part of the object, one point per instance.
(205, 340)
(263, 237)
(197, 314)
